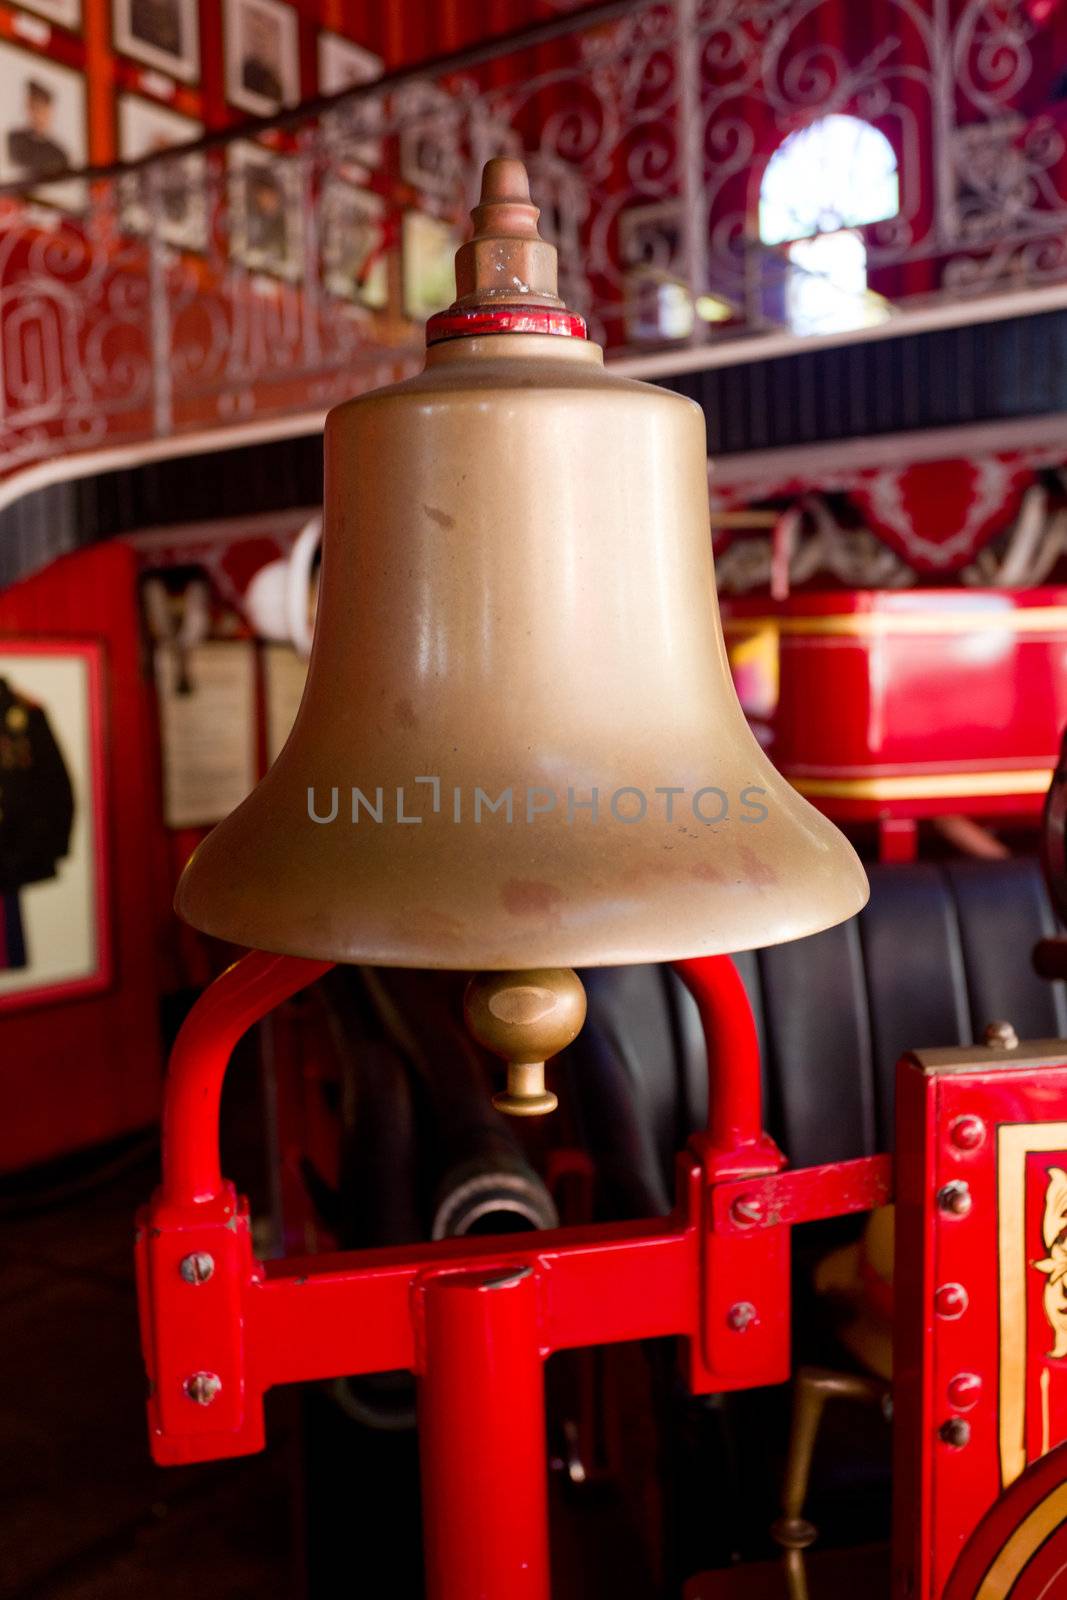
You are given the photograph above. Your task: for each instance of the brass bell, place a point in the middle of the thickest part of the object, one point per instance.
(519, 746)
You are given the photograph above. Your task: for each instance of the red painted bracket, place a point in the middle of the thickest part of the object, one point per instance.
(219, 1328)
(806, 1194)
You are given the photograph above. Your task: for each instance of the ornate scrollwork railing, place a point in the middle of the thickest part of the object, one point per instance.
(274, 269)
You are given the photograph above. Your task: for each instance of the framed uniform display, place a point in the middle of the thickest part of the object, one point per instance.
(54, 905)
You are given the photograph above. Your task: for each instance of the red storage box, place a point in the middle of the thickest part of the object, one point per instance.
(881, 704)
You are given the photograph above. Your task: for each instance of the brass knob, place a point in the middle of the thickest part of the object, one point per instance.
(525, 1017)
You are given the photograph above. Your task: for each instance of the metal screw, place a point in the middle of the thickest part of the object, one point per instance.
(739, 1316)
(198, 1267)
(964, 1390)
(955, 1198)
(955, 1432)
(1001, 1035)
(203, 1387)
(951, 1301)
(967, 1133)
(747, 1210)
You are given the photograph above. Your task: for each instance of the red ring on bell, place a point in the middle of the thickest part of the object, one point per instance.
(480, 320)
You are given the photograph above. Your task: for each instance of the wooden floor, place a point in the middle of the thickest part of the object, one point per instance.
(84, 1515)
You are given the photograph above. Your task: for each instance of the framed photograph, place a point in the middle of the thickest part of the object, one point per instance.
(651, 236)
(658, 302)
(55, 936)
(207, 722)
(42, 125)
(354, 264)
(266, 233)
(176, 187)
(262, 56)
(66, 13)
(429, 140)
(162, 33)
(428, 268)
(342, 65)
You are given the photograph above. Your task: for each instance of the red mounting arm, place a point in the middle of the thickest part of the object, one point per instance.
(245, 993)
(734, 1142)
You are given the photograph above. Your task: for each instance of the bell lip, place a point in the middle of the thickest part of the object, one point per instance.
(570, 953)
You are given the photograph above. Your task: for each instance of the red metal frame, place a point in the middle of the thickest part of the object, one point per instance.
(473, 1318)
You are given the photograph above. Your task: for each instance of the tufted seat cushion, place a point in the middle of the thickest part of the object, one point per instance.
(941, 950)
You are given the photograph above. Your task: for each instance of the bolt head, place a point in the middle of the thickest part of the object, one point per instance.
(794, 1533)
(747, 1210)
(964, 1390)
(950, 1301)
(1001, 1036)
(741, 1316)
(202, 1387)
(955, 1432)
(967, 1133)
(198, 1267)
(955, 1198)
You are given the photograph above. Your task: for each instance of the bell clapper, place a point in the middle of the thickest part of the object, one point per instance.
(525, 1017)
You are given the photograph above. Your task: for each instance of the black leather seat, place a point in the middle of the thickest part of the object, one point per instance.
(940, 951)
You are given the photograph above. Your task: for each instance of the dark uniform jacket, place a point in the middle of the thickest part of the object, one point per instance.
(36, 154)
(36, 799)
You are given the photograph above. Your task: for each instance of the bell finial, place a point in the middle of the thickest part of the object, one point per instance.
(506, 178)
(506, 262)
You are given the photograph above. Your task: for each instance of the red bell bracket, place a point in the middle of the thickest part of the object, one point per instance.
(219, 1327)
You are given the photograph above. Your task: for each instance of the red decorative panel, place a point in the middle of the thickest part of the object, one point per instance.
(981, 1227)
(940, 513)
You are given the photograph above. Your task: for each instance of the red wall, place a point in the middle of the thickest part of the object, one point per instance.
(78, 1071)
